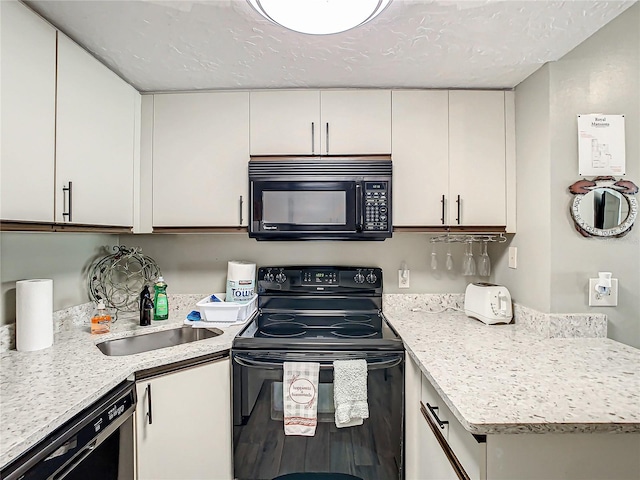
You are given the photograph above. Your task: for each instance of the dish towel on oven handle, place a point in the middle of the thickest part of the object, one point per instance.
(350, 392)
(300, 393)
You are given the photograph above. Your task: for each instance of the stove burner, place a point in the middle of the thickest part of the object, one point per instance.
(358, 318)
(280, 317)
(284, 330)
(349, 330)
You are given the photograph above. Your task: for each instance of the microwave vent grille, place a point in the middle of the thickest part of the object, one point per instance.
(320, 167)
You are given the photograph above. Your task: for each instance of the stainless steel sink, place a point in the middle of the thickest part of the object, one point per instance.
(156, 340)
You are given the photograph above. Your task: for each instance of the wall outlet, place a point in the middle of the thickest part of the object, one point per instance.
(596, 300)
(513, 257)
(403, 278)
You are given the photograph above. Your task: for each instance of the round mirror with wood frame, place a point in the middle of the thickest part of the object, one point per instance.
(604, 206)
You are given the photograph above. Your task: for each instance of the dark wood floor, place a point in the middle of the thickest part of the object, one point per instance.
(370, 451)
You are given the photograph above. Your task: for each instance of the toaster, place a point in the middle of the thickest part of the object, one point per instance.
(488, 302)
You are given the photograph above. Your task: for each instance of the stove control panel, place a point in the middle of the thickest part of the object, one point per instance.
(320, 279)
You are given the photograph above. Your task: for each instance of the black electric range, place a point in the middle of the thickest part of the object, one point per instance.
(319, 308)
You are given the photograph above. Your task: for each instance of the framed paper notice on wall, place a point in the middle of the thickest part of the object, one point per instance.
(601, 145)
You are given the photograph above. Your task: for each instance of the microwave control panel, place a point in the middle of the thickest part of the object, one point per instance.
(376, 206)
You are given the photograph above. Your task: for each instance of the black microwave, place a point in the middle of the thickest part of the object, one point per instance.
(320, 198)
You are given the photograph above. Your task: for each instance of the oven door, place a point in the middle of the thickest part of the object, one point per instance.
(370, 451)
(296, 209)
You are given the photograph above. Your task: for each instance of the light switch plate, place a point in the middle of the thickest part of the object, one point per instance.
(403, 282)
(513, 257)
(610, 300)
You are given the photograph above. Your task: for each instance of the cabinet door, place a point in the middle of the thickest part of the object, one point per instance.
(433, 462)
(420, 150)
(477, 160)
(424, 457)
(356, 122)
(28, 114)
(189, 436)
(200, 158)
(95, 139)
(285, 123)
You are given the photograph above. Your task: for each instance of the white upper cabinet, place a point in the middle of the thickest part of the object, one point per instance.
(28, 86)
(356, 122)
(477, 158)
(420, 157)
(451, 158)
(95, 140)
(312, 122)
(285, 122)
(200, 159)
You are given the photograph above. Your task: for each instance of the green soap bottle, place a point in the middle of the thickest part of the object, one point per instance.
(161, 311)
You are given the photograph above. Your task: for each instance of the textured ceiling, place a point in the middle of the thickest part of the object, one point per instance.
(224, 44)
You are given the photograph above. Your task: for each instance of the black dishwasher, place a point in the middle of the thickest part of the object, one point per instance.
(97, 444)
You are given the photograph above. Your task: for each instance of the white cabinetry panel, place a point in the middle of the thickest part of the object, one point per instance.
(200, 159)
(359, 122)
(420, 156)
(190, 433)
(95, 139)
(28, 114)
(315, 122)
(477, 158)
(285, 123)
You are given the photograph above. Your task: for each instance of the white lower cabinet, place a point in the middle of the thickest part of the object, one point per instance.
(183, 424)
(456, 453)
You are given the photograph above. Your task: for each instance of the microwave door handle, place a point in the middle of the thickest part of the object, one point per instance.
(358, 207)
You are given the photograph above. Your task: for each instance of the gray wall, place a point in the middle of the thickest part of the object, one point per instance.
(599, 76)
(64, 257)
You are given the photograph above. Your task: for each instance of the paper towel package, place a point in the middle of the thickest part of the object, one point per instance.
(34, 314)
(241, 281)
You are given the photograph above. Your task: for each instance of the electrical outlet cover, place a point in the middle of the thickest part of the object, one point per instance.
(610, 300)
(403, 282)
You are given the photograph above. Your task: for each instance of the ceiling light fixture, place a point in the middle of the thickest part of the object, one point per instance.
(319, 17)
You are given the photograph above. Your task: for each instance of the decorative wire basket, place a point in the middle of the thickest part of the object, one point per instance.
(118, 279)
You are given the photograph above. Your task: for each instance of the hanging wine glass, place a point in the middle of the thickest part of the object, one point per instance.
(449, 261)
(484, 262)
(469, 264)
(434, 257)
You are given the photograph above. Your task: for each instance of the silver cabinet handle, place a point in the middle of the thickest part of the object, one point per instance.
(68, 213)
(442, 219)
(327, 138)
(149, 412)
(313, 138)
(458, 202)
(241, 204)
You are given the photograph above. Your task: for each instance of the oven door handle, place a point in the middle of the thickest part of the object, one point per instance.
(372, 364)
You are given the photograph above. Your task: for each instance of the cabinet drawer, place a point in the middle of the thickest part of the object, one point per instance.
(469, 449)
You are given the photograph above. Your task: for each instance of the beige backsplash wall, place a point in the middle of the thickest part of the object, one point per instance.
(64, 257)
(197, 263)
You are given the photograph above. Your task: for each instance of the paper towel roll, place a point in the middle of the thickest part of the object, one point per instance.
(34, 314)
(241, 281)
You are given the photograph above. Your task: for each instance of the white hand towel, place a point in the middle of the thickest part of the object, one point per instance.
(300, 393)
(350, 392)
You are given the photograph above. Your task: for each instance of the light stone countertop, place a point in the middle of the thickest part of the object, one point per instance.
(496, 379)
(41, 390)
(511, 379)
